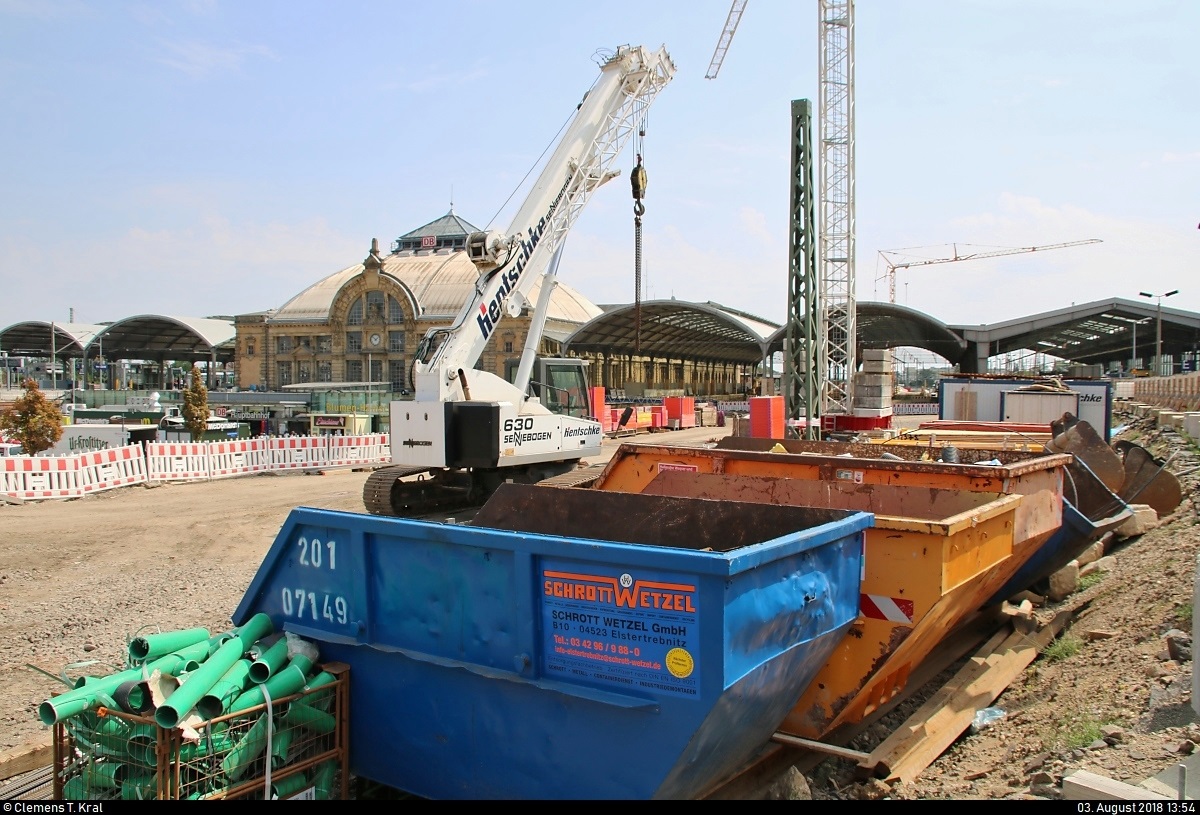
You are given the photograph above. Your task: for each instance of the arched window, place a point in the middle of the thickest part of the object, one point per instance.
(375, 305)
(395, 313)
(355, 315)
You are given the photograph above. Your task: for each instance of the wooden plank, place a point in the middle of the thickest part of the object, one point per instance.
(943, 718)
(819, 746)
(1084, 786)
(776, 758)
(25, 759)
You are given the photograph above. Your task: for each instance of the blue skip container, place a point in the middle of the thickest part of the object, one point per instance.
(567, 644)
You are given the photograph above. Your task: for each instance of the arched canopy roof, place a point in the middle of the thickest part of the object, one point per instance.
(673, 329)
(887, 325)
(1095, 332)
(33, 339)
(156, 336)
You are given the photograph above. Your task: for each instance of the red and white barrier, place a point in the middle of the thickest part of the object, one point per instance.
(35, 477)
(357, 451)
(177, 462)
(299, 453)
(32, 478)
(115, 467)
(230, 458)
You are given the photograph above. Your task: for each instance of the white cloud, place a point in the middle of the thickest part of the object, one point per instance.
(199, 60)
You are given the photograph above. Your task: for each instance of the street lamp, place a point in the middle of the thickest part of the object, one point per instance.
(1158, 341)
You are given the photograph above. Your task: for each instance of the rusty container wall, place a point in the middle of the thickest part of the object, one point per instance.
(1090, 508)
(929, 556)
(1037, 478)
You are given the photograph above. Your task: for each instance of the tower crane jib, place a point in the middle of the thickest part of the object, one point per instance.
(731, 24)
(892, 266)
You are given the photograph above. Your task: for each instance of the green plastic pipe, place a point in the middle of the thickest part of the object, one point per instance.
(143, 743)
(105, 775)
(90, 690)
(301, 715)
(152, 646)
(281, 742)
(231, 684)
(269, 662)
(141, 788)
(247, 749)
(201, 680)
(323, 778)
(75, 789)
(112, 734)
(284, 683)
(220, 743)
(289, 786)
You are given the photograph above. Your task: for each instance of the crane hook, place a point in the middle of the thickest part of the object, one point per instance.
(637, 180)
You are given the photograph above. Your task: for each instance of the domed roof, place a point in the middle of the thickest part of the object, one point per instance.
(441, 282)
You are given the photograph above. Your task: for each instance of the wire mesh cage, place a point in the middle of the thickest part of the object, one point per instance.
(294, 747)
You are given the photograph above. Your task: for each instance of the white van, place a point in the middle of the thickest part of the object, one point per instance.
(7, 449)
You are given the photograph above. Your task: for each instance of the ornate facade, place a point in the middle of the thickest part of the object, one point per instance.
(362, 324)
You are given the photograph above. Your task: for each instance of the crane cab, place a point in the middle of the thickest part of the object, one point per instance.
(560, 384)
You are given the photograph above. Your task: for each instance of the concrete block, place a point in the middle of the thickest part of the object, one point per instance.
(1104, 564)
(1143, 520)
(877, 355)
(1091, 554)
(1064, 582)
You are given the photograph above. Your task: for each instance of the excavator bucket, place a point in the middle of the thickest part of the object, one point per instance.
(1148, 481)
(1081, 440)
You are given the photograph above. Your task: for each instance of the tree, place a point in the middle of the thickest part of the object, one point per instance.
(33, 421)
(195, 405)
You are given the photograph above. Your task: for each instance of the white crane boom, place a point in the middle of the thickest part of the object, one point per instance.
(1013, 250)
(731, 24)
(470, 429)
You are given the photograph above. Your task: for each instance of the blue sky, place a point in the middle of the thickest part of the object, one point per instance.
(202, 157)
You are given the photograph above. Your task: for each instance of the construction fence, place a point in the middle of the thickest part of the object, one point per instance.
(36, 478)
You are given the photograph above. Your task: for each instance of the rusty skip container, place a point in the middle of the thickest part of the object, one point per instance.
(947, 537)
(1089, 507)
(566, 644)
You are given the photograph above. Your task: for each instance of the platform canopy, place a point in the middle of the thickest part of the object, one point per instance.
(674, 329)
(38, 339)
(156, 336)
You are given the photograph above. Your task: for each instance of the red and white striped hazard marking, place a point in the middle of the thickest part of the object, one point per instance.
(881, 607)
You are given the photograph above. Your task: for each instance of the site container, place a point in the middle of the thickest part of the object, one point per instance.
(567, 644)
(1089, 508)
(925, 556)
(947, 537)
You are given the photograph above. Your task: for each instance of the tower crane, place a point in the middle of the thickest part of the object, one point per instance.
(892, 266)
(731, 24)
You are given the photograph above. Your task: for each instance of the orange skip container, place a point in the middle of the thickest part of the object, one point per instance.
(946, 538)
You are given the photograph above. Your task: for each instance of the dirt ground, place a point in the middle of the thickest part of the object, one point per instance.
(79, 578)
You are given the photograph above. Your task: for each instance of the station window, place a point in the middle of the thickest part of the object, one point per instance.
(354, 370)
(395, 313)
(353, 342)
(375, 305)
(396, 374)
(396, 342)
(355, 315)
